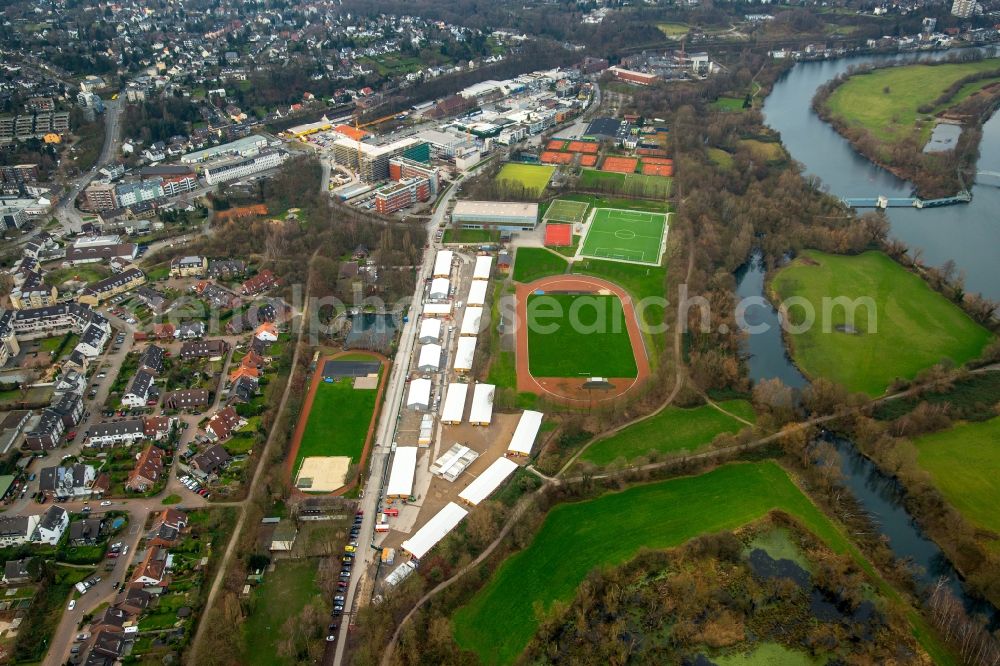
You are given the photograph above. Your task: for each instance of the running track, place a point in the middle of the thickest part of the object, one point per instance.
(569, 389)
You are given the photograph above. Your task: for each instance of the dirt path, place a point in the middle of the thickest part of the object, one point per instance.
(570, 389)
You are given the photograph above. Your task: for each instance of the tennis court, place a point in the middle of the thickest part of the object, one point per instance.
(625, 235)
(563, 210)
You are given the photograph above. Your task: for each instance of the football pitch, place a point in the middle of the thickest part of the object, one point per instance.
(564, 210)
(625, 235)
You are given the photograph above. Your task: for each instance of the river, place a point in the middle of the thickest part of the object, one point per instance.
(969, 234)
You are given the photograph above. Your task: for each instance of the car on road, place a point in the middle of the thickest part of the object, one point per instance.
(82, 637)
(72, 604)
(106, 503)
(331, 638)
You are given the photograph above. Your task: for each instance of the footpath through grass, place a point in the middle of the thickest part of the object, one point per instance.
(673, 430)
(885, 101)
(963, 462)
(578, 336)
(534, 263)
(284, 594)
(911, 327)
(338, 421)
(500, 619)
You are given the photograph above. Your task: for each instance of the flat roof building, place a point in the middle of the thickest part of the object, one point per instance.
(371, 161)
(502, 215)
(454, 461)
(245, 147)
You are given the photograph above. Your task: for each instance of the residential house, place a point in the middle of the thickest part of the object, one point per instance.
(167, 528)
(213, 350)
(243, 390)
(70, 406)
(148, 470)
(157, 428)
(190, 330)
(112, 433)
(267, 332)
(225, 422)
(16, 530)
(140, 390)
(193, 399)
(133, 600)
(52, 525)
(19, 572)
(153, 299)
(259, 283)
(188, 266)
(112, 619)
(93, 340)
(75, 481)
(152, 360)
(226, 269)
(217, 296)
(45, 435)
(152, 572)
(103, 290)
(85, 532)
(108, 648)
(210, 461)
(164, 331)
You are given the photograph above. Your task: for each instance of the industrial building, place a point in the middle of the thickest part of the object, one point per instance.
(502, 215)
(629, 76)
(245, 147)
(244, 167)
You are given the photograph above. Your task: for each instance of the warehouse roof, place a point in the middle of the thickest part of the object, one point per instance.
(472, 321)
(465, 353)
(484, 266)
(454, 403)
(495, 208)
(482, 404)
(525, 433)
(420, 393)
(488, 481)
(438, 527)
(404, 466)
(477, 292)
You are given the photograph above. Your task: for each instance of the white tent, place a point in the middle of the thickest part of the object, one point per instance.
(435, 529)
(524, 434)
(454, 403)
(484, 266)
(430, 331)
(442, 263)
(488, 481)
(440, 288)
(419, 396)
(477, 292)
(430, 358)
(437, 309)
(404, 466)
(472, 320)
(481, 412)
(465, 353)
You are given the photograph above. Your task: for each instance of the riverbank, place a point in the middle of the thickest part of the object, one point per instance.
(888, 112)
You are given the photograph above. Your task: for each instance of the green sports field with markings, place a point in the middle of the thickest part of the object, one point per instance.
(625, 235)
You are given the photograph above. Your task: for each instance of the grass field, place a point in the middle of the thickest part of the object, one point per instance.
(501, 618)
(284, 593)
(532, 263)
(673, 30)
(720, 157)
(565, 210)
(533, 176)
(885, 101)
(729, 103)
(655, 205)
(636, 184)
(588, 336)
(963, 461)
(768, 654)
(915, 327)
(629, 235)
(673, 430)
(470, 236)
(338, 421)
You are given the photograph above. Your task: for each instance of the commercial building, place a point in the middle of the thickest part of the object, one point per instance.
(404, 466)
(401, 168)
(481, 412)
(454, 403)
(100, 196)
(640, 78)
(13, 217)
(484, 485)
(242, 168)
(245, 147)
(370, 161)
(523, 439)
(437, 528)
(465, 354)
(502, 215)
(397, 196)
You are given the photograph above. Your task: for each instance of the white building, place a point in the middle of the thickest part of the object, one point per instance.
(442, 263)
(484, 267)
(454, 461)
(430, 358)
(481, 412)
(440, 288)
(435, 529)
(430, 331)
(419, 396)
(454, 403)
(472, 321)
(484, 485)
(523, 439)
(52, 525)
(404, 466)
(437, 309)
(465, 354)
(244, 167)
(477, 292)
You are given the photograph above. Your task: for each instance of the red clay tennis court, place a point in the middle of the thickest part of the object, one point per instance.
(620, 164)
(550, 157)
(558, 235)
(555, 144)
(582, 147)
(657, 152)
(656, 160)
(658, 169)
(588, 160)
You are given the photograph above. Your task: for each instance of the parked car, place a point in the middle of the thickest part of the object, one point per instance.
(72, 604)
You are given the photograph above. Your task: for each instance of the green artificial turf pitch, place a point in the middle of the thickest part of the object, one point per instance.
(564, 210)
(625, 235)
(338, 421)
(578, 336)
(913, 326)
